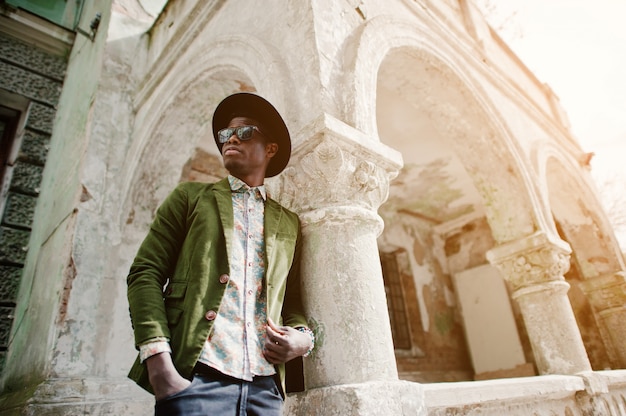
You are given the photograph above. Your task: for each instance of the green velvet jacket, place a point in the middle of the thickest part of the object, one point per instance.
(175, 277)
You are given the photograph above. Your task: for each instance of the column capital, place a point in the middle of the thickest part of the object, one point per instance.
(335, 165)
(532, 260)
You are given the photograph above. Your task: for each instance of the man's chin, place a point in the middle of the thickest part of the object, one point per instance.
(232, 167)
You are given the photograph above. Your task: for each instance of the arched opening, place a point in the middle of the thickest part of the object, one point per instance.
(442, 213)
(180, 144)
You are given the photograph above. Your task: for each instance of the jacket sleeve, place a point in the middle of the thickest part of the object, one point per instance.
(153, 266)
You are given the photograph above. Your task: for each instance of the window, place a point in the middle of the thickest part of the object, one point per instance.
(396, 302)
(9, 119)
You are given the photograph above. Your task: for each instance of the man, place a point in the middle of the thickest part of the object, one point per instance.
(216, 275)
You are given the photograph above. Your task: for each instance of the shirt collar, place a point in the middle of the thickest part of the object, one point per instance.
(237, 185)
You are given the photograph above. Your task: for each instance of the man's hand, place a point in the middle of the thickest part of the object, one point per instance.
(284, 343)
(164, 378)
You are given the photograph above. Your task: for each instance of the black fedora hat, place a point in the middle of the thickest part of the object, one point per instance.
(252, 106)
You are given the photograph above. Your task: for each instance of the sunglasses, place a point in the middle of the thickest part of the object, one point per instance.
(243, 133)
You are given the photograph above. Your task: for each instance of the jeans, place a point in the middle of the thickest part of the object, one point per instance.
(213, 393)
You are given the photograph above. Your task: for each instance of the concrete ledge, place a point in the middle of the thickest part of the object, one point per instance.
(605, 393)
(387, 398)
(613, 378)
(593, 393)
(74, 396)
(514, 390)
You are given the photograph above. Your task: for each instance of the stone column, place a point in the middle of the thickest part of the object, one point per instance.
(607, 295)
(535, 266)
(336, 181)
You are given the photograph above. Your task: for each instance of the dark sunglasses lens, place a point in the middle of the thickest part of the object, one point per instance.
(245, 132)
(225, 134)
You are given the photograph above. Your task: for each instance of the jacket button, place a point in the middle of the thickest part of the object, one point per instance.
(210, 315)
(224, 278)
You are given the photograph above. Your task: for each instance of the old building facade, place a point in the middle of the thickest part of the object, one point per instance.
(456, 257)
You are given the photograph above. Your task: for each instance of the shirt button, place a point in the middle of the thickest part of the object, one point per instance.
(248, 324)
(224, 278)
(210, 315)
(250, 264)
(250, 292)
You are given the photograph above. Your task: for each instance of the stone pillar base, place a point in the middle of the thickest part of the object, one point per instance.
(79, 396)
(374, 398)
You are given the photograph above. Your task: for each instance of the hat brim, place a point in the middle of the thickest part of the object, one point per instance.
(258, 108)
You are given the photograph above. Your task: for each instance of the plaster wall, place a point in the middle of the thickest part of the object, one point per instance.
(170, 25)
(102, 308)
(252, 43)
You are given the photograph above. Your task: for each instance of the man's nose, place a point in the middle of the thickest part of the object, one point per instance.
(233, 138)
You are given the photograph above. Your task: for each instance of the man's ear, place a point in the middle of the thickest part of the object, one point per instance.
(271, 149)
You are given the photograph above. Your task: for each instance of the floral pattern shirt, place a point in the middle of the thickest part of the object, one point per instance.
(235, 346)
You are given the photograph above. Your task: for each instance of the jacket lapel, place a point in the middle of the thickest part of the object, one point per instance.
(225, 207)
(273, 213)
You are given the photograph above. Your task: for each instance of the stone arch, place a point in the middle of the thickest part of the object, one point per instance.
(579, 213)
(365, 51)
(176, 117)
(491, 158)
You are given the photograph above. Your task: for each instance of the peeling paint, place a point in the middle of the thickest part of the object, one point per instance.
(444, 321)
(69, 274)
